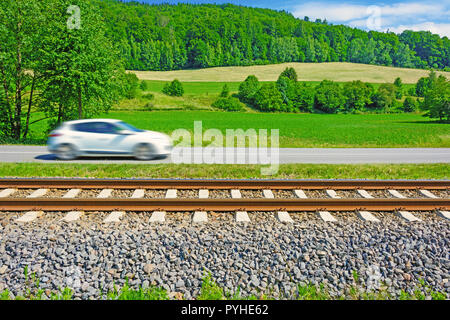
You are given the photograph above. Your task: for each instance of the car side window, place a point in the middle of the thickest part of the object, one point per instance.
(97, 127)
(85, 127)
(104, 127)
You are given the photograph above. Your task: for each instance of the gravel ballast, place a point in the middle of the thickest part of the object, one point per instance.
(261, 256)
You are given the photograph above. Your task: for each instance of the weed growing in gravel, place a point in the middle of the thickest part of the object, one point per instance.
(127, 293)
(210, 290)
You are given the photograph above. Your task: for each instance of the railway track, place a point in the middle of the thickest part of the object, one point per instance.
(239, 196)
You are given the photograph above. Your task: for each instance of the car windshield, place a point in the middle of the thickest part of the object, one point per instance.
(127, 126)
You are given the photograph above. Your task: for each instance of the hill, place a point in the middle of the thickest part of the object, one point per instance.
(172, 37)
(336, 71)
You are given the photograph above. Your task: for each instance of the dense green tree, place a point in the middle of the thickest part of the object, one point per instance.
(268, 98)
(303, 99)
(384, 98)
(225, 91)
(409, 105)
(289, 73)
(54, 61)
(248, 89)
(398, 88)
(329, 97)
(357, 95)
(437, 99)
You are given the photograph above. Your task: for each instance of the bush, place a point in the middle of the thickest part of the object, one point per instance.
(225, 91)
(175, 89)
(289, 73)
(130, 86)
(228, 104)
(144, 85)
(248, 89)
(148, 96)
(268, 98)
(409, 105)
(329, 97)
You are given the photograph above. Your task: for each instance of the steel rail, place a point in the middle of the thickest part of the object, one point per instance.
(21, 183)
(48, 204)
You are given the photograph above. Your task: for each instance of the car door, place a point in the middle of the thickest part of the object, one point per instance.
(98, 137)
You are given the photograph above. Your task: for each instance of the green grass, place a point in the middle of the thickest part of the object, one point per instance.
(286, 171)
(297, 130)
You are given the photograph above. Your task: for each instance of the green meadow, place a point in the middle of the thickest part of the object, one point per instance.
(296, 130)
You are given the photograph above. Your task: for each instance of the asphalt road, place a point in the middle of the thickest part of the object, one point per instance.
(286, 155)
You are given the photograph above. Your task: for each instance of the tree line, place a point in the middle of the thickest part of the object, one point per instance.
(430, 94)
(169, 37)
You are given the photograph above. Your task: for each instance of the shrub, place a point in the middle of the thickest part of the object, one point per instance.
(248, 89)
(268, 98)
(148, 96)
(225, 91)
(409, 105)
(175, 89)
(289, 73)
(329, 97)
(130, 86)
(228, 104)
(144, 85)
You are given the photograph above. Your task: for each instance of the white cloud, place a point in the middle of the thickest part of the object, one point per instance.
(432, 16)
(442, 29)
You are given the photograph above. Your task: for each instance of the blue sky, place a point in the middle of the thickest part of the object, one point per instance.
(392, 15)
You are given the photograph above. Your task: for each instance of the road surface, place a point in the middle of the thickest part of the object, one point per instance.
(40, 154)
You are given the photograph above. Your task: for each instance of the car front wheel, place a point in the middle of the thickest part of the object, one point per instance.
(66, 152)
(144, 152)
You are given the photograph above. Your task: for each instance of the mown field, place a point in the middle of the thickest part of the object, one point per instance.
(297, 130)
(336, 71)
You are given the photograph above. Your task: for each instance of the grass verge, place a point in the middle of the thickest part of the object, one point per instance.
(185, 171)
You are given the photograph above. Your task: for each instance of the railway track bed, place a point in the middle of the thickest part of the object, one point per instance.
(39, 197)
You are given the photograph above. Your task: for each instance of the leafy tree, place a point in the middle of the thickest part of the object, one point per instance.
(248, 89)
(303, 98)
(286, 87)
(268, 98)
(225, 91)
(409, 105)
(437, 99)
(329, 97)
(357, 95)
(130, 85)
(398, 88)
(289, 73)
(384, 98)
(174, 88)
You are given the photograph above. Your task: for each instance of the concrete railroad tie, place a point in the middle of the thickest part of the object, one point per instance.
(7, 192)
(241, 216)
(326, 216)
(114, 217)
(72, 216)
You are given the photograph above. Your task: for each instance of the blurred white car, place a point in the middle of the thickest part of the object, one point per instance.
(107, 137)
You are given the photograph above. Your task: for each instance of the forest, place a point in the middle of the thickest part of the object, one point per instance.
(171, 37)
